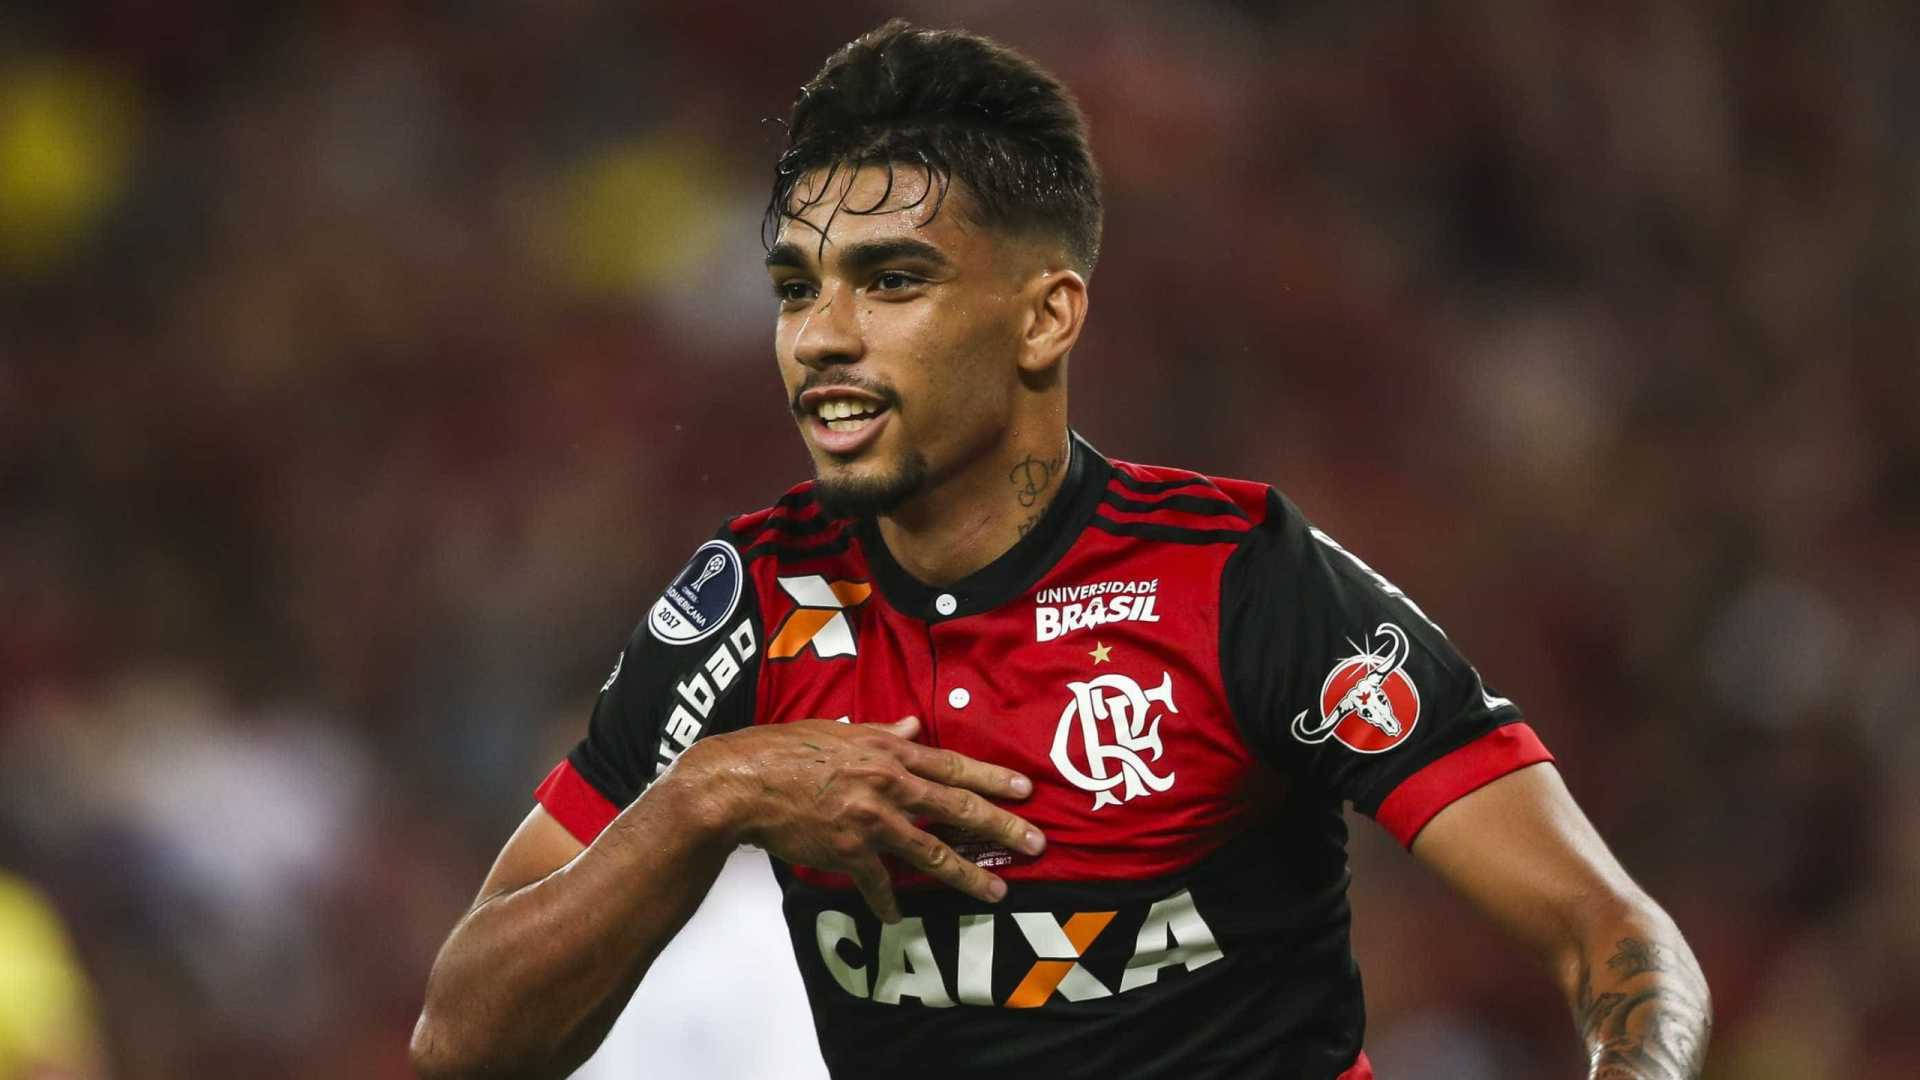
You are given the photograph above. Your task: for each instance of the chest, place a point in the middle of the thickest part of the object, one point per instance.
(1101, 683)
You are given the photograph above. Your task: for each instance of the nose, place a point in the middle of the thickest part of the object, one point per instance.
(830, 334)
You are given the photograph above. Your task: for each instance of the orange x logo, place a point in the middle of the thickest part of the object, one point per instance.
(821, 618)
(1062, 946)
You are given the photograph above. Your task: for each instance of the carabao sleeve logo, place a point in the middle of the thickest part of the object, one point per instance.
(701, 597)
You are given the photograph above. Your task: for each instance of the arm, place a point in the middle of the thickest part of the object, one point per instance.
(534, 975)
(1521, 850)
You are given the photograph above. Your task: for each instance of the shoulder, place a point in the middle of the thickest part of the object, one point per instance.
(1265, 539)
(1180, 504)
(796, 525)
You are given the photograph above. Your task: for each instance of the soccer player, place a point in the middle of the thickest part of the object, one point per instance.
(1049, 750)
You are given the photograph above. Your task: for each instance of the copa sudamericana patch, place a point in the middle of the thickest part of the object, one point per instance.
(702, 596)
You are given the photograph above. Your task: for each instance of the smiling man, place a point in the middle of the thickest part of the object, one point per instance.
(1049, 750)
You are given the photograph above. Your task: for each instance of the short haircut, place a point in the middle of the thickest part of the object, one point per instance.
(961, 107)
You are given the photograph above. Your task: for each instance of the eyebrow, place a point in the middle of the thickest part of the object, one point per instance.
(858, 259)
(786, 253)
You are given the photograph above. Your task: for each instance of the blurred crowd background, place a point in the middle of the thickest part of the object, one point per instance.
(365, 367)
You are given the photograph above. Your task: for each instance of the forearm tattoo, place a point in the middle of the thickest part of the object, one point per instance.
(1647, 1017)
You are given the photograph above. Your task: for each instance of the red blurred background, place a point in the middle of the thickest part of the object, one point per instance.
(365, 367)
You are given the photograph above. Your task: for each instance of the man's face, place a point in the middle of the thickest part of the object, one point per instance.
(898, 336)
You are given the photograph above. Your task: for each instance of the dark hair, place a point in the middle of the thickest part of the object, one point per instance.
(961, 107)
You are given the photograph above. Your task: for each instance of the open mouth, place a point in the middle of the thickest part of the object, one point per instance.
(845, 414)
(844, 420)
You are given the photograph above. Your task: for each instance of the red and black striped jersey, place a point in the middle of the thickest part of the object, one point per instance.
(1195, 678)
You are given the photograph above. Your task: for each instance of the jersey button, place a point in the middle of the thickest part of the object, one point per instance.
(945, 604)
(958, 697)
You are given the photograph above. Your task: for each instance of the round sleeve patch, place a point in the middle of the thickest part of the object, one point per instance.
(1368, 702)
(702, 597)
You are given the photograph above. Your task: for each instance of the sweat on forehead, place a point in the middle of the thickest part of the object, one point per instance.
(915, 192)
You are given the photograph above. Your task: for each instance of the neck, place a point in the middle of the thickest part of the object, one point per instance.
(975, 516)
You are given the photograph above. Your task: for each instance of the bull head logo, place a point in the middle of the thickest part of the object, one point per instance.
(1367, 697)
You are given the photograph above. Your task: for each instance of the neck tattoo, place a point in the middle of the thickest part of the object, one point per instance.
(1031, 477)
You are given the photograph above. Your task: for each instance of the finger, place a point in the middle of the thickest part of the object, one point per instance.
(876, 887)
(959, 770)
(929, 855)
(962, 808)
(907, 727)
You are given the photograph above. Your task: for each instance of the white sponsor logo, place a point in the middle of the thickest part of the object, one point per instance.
(1124, 707)
(904, 964)
(1067, 608)
(696, 695)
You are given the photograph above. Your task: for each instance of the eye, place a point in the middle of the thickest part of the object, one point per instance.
(793, 291)
(893, 281)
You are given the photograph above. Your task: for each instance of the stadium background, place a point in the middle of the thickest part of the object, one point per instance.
(365, 368)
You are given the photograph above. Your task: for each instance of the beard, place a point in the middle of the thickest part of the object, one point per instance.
(869, 496)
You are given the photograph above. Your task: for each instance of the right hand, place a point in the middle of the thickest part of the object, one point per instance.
(837, 796)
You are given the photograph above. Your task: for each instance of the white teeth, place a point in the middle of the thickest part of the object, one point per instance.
(845, 425)
(839, 408)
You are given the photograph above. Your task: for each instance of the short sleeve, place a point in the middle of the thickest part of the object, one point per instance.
(687, 671)
(1339, 680)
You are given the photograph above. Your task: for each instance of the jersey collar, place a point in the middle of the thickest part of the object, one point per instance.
(1012, 573)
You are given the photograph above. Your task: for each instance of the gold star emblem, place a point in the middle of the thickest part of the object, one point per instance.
(1100, 652)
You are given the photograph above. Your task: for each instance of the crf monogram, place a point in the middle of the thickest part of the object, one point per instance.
(1121, 702)
(1172, 935)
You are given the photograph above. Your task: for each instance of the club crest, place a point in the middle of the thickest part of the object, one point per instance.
(1113, 726)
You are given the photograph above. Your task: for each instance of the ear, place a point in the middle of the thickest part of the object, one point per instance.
(1056, 311)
